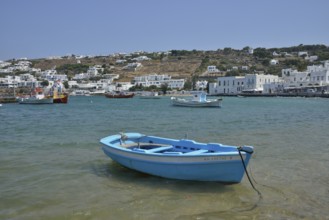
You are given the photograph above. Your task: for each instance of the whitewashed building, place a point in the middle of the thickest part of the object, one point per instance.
(237, 84)
(158, 80)
(51, 75)
(201, 85)
(132, 66)
(319, 75)
(212, 69)
(274, 62)
(293, 78)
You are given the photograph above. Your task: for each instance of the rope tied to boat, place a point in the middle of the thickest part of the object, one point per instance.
(245, 167)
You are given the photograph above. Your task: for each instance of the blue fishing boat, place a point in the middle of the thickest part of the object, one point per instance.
(178, 159)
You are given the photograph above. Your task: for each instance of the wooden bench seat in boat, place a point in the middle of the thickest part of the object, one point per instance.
(158, 149)
(201, 151)
(129, 145)
(153, 150)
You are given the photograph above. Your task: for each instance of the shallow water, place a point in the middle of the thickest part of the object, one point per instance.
(52, 166)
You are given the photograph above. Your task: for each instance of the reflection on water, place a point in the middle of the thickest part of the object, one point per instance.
(52, 166)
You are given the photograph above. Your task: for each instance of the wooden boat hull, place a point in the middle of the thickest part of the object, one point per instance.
(176, 159)
(63, 98)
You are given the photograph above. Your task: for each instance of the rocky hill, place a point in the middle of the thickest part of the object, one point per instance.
(186, 64)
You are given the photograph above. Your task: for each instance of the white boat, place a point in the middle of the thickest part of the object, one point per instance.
(199, 99)
(80, 93)
(36, 99)
(150, 95)
(97, 92)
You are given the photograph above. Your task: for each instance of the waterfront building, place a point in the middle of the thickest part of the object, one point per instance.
(292, 78)
(315, 78)
(158, 80)
(319, 74)
(252, 83)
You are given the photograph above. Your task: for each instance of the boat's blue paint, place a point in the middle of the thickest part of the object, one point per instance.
(177, 159)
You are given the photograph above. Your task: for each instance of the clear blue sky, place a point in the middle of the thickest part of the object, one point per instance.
(42, 28)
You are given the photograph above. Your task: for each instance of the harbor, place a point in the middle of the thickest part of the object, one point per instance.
(53, 166)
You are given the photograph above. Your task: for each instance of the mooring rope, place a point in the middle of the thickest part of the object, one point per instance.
(245, 169)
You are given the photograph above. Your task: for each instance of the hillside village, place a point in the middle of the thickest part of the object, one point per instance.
(304, 68)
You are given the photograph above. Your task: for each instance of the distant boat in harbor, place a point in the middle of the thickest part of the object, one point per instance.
(199, 99)
(37, 97)
(119, 95)
(150, 95)
(61, 98)
(58, 93)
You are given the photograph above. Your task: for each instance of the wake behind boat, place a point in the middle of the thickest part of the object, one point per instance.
(178, 159)
(199, 99)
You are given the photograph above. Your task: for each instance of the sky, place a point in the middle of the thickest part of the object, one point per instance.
(43, 28)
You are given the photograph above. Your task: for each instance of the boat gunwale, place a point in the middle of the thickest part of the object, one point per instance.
(113, 142)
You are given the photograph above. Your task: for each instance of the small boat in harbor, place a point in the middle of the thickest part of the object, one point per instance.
(37, 97)
(61, 98)
(150, 95)
(178, 159)
(58, 93)
(119, 95)
(199, 99)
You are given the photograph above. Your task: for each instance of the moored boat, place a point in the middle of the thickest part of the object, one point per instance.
(37, 97)
(150, 95)
(61, 98)
(119, 95)
(199, 99)
(178, 159)
(57, 92)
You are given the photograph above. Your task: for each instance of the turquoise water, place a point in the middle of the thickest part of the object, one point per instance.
(52, 166)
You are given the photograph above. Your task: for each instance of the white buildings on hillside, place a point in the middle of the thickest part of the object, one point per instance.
(4, 64)
(141, 58)
(132, 66)
(212, 69)
(51, 75)
(313, 77)
(158, 80)
(319, 75)
(24, 80)
(93, 71)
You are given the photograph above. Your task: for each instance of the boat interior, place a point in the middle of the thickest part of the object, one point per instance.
(166, 149)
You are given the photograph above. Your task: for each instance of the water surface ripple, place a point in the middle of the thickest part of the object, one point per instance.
(52, 166)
